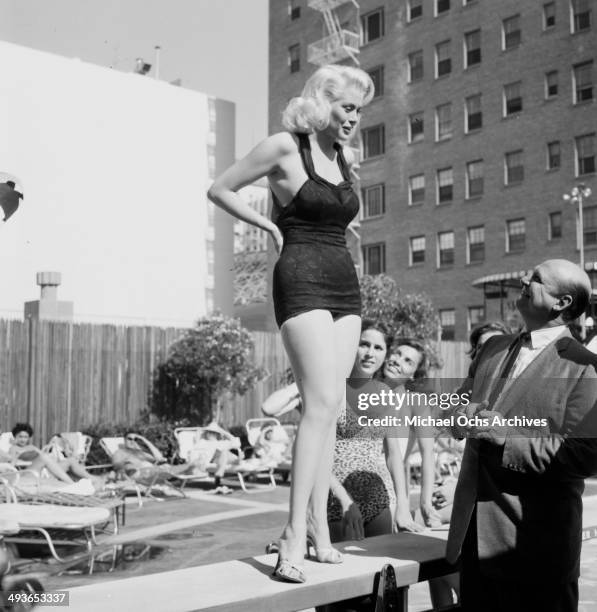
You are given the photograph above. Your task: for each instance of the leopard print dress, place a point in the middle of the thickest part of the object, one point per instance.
(359, 463)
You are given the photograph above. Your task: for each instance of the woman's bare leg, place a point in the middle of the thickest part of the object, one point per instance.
(72, 465)
(347, 332)
(43, 461)
(311, 343)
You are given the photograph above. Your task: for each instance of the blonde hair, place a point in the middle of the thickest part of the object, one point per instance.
(311, 110)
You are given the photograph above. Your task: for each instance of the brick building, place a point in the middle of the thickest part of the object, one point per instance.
(485, 115)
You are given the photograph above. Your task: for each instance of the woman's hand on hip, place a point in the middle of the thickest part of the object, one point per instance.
(276, 234)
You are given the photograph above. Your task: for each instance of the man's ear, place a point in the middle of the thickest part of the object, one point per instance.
(563, 302)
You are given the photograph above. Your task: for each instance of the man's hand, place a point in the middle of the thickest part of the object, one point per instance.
(352, 523)
(461, 426)
(492, 432)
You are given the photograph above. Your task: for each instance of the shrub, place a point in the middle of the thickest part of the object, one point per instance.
(213, 358)
(411, 315)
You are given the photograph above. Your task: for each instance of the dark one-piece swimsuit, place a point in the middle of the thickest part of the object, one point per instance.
(315, 269)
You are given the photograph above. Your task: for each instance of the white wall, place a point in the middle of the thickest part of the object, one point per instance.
(114, 172)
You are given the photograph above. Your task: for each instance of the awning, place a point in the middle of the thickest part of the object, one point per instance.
(512, 279)
(507, 279)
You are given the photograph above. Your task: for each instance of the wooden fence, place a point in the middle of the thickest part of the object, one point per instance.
(61, 377)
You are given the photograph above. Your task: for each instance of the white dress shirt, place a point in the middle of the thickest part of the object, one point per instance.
(540, 338)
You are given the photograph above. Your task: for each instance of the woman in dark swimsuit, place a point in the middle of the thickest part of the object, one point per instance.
(316, 290)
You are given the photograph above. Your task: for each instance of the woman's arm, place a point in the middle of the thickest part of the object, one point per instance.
(395, 465)
(426, 444)
(263, 160)
(281, 401)
(352, 520)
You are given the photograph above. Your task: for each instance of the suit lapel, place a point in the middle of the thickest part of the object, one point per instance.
(541, 367)
(489, 369)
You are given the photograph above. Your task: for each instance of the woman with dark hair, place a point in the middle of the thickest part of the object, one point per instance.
(22, 449)
(315, 287)
(365, 487)
(480, 334)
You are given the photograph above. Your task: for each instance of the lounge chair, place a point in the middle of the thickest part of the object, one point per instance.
(152, 478)
(269, 440)
(14, 487)
(46, 518)
(203, 442)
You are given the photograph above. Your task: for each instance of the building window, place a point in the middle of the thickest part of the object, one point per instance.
(445, 185)
(294, 58)
(585, 154)
(590, 225)
(443, 62)
(583, 82)
(373, 141)
(514, 167)
(416, 189)
(474, 114)
(474, 179)
(581, 15)
(551, 84)
(512, 99)
(417, 250)
(555, 225)
(515, 235)
(549, 15)
(447, 319)
(415, 9)
(372, 26)
(511, 32)
(472, 47)
(415, 66)
(442, 6)
(443, 121)
(553, 155)
(294, 10)
(476, 244)
(377, 76)
(374, 258)
(374, 201)
(445, 249)
(415, 127)
(476, 316)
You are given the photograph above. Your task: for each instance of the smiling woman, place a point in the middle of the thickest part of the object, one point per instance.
(316, 290)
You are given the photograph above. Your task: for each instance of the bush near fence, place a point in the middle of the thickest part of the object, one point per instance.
(65, 377)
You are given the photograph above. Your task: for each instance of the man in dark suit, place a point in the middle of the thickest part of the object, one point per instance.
(517, 516)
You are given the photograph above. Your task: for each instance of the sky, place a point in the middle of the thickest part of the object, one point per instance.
(218, 47)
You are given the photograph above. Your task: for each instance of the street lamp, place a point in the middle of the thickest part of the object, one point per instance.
(576, 196)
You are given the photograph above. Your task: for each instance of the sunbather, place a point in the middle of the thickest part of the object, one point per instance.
(22, 450)
(139, 464)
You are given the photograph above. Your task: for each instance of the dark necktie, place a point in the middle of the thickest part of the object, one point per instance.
(513, 352)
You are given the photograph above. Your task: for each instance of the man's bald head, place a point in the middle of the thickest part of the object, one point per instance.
(557, 291)
(571, 279)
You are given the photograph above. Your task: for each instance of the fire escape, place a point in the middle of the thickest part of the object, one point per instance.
(341, 44)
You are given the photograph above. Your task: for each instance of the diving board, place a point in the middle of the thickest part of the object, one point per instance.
(246, 584)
